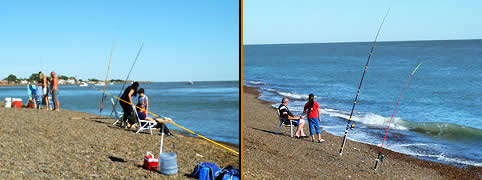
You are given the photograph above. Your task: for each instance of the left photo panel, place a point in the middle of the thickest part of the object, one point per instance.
(120, 89)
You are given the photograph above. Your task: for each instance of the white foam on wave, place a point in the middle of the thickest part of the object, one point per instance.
(288, 94)
(368, 118)
(254, 82)
(442, 157)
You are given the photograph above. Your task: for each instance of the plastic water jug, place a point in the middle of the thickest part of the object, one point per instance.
(8, 102)
(168, 163)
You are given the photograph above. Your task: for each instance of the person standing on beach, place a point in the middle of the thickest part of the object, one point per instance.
(126, 102)
(45, 89)
(54, 91)
(313, 110)
(286, 114)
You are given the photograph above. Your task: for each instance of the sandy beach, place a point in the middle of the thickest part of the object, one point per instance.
(52, 145)
(267, 155)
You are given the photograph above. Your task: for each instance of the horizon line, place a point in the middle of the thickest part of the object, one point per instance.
(359, 41)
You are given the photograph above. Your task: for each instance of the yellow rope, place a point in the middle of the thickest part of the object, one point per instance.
(192, 132)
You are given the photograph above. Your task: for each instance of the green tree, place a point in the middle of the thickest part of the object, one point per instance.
(11, 78)
(63, 77)
(95, 80)
(34, 77)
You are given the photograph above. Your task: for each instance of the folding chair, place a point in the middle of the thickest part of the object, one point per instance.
(285, 122)
(119, 116)
(144, 124)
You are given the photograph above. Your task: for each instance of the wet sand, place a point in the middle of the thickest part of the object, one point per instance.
(50, 145)
(267, 155)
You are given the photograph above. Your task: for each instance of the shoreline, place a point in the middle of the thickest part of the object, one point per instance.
(72, 144)
(361, 156)
(184, 133)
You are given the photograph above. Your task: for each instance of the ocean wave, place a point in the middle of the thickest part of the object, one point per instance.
(368, 119)
(254, 82)
(442, 157)
(293, 96)
(447, 130)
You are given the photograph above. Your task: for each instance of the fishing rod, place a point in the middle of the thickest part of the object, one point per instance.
(380, 156)
(122, 88)
(107, 75)
(348, 126)
(192, 132)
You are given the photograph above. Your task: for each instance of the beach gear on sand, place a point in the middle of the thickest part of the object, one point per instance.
(150, 162)
(229, 173)
(168, 163)
(143, 124)
(192, 132)
(380, 156)
(119, 116)
(361, 81)
(205, 171)
(8, 102)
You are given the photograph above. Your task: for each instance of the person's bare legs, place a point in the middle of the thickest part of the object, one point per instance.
(57, 105)
(46, 100)
(299, 130)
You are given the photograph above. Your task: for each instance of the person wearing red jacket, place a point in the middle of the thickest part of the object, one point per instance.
(313, 110)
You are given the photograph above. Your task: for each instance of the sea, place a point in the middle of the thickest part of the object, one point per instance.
(438, 117)
(210, 109)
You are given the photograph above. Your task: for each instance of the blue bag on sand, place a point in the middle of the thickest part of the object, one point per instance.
(205, 171)
(228, 173)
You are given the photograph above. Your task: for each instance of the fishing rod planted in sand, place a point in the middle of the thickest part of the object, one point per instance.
(192, 132)
(107, 74)
(127, 78)
(348, 126)
(380, 156)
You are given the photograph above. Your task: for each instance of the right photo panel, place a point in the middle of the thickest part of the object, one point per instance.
(361, 90)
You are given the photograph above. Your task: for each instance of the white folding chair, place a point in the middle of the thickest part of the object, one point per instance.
(285, 122)
(144, 124)
(119, 116)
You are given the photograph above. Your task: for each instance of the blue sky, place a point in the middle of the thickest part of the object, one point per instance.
(195, 40)
(312, 21)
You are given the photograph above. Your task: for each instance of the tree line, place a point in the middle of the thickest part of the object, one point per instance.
(36, 78)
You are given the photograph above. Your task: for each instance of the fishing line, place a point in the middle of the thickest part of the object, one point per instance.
(361, 81)
(122, 88)
(192, 132)
(380, 156)
(108, 67)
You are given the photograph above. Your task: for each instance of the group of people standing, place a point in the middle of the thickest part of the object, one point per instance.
(52, 89)
(312, 110)
(142, 108)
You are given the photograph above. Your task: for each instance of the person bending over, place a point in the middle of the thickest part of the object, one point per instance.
(286, 114)
(160, 122)
(126, 103)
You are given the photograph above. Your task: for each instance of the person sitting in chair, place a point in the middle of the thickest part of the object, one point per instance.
(160, 122)
(286, 114)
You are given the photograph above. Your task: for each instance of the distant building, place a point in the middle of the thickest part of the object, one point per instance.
(3, 81)
(70, 81)
(23, 82)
